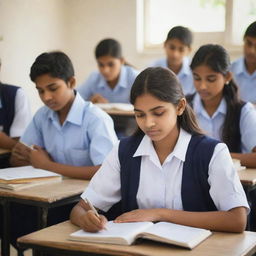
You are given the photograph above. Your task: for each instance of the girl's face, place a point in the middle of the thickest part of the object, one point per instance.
(156, 118)
(110, 67)
(250, 49)
(55, 92)
(176, 51)
(208, 83)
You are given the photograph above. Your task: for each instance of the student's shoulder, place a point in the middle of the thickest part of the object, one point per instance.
(159, 63)
(94, 113)
(236, 64)
(5, 86)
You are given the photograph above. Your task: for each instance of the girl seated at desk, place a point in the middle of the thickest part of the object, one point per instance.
(167, 171)
(219, 111)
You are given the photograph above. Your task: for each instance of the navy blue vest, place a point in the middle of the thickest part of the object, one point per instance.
(7, 112)
(234, 137)
(194, 188)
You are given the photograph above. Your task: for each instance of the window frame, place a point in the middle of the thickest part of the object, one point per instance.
(224, 38)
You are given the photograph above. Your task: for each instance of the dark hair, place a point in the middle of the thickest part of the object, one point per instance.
(56, 64)
(163, 84)
(108, 47)
(251, 30)
(216, 57)
(181, 33)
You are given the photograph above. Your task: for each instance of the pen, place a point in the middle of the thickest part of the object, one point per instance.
(26, 145)
(92, 207)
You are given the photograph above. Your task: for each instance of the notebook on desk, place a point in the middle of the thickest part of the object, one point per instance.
(115, 106)
(17, 178)
(128, 233)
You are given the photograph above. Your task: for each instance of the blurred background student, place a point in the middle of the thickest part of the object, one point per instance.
(177, 48)
(244, 68)
(217, 106)
(15, 115)
(111, 83)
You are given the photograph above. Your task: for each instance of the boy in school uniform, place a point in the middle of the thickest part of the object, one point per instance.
(15, 114)
(69, 136)
(244, 68)
(177, 48)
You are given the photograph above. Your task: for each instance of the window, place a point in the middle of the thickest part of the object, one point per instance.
(212, 21)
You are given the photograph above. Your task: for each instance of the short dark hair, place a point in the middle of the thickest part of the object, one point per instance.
(56, 64)
(181, 33)
(163, 84)
(251, 30)
(108, 47)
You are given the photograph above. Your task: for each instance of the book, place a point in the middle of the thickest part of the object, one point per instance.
(115, 106)
(17, 178)
(128, 233)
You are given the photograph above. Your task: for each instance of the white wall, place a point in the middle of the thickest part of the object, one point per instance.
(30, 27)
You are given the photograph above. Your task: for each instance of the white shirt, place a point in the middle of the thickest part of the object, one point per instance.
(212, 125)
(22, 115)
(160, 185)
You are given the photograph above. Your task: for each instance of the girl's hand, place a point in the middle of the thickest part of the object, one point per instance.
(21, 152)
(138, 215)
(91, 223)
(39, 158)
(97, 98)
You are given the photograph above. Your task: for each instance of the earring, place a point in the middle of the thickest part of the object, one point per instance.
(227, 82)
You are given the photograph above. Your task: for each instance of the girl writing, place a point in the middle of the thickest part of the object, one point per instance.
(167, 171)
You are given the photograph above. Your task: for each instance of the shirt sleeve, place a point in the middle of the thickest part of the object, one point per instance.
(222, 174)
(22, 114)
(85, 89)
(248, 127)
(104, 188)
(33, 134)
(102, 136)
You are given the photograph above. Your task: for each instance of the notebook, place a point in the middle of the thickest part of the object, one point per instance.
(115, 106)
(128, 233)
(17, 178)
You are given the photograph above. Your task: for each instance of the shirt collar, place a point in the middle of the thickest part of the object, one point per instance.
(199, 108)
(122, 80)
(75, 114)
(146, 147)
(241, 68)
(185, 69)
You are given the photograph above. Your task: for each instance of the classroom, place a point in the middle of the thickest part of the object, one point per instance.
(77, 33)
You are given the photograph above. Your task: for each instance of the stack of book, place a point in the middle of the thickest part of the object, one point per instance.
(18, 178)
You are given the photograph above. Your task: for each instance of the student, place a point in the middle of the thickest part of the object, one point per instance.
(14, 114)
(244, 68)
(113, 81)
(69, 136)
(177, 48)
(218, 109)
(155, 174)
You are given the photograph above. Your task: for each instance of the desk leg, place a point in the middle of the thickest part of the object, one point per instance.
(42, 217)
(5, 243)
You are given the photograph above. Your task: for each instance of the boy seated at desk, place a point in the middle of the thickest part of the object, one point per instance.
(69, 136)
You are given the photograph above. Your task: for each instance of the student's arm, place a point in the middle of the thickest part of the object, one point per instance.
(20, 155)
(233, 220)
(97, 98)
(7, 142)
(82, 216)
(39, 158)
(247, 159)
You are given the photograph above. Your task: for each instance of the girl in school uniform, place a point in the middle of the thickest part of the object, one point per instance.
(113, 81)
(177, 47)
(219, 111)
(167, 171)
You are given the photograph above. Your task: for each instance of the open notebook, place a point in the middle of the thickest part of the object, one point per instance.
(127, 233)
(17, 178)
(115, 106)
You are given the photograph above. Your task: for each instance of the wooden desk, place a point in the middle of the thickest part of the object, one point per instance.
(44, 197)
(54, 239)
(117, 112)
